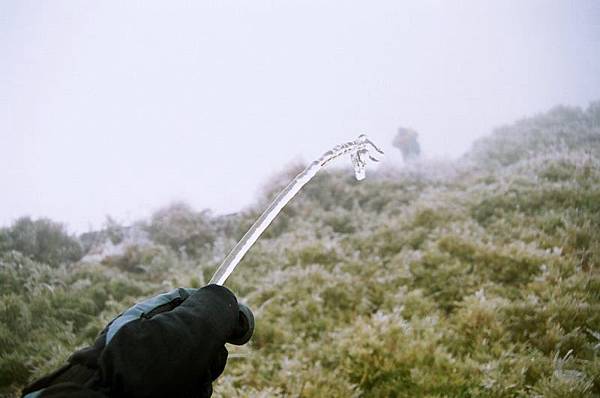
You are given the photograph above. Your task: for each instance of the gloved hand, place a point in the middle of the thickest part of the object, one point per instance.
(170, 345)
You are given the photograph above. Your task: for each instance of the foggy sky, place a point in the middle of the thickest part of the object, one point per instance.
(118, 108)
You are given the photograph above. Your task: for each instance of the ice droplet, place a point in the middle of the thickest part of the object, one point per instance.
(359, 166)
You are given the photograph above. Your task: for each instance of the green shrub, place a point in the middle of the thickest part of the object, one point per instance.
(476, 278)
(42, 240)
(182, 229)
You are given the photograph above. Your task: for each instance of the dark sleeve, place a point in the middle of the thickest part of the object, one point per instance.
(70, 390)
(175, 353)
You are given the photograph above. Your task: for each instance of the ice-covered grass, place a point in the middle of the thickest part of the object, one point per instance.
(474, 278)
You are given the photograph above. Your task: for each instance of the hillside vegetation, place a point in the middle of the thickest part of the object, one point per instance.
(473, 278)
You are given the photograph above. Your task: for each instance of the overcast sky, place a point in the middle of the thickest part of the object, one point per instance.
(118, 108)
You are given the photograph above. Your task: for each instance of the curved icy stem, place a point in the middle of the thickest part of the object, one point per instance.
(360, 150)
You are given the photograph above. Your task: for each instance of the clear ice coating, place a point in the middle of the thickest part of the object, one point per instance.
(360, 150)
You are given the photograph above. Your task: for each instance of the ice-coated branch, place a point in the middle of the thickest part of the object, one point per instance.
(360, 150)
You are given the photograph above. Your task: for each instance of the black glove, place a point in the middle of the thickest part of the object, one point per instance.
(170, 345)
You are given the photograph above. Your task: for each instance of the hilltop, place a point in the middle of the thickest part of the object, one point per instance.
(476, 277)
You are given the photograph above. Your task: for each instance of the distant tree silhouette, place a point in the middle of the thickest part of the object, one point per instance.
(406, 140)
(42, 240)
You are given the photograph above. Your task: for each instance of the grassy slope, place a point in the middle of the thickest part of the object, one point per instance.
(472, 278)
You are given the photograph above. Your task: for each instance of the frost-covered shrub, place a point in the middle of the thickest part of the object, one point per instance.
(476, 278)
(560, 129)
(386, 356)
(480, 278)
(134, 259)
(181, 228)
(42, 240)
(46, 312)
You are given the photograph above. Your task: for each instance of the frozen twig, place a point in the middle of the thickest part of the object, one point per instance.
(360, 150)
